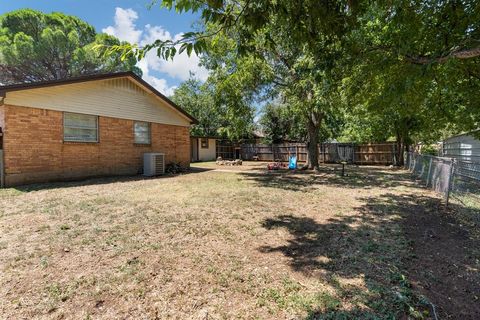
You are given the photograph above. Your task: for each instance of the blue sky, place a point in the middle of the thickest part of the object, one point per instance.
(131, 21)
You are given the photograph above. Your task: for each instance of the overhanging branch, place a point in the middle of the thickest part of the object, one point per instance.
(459, 54)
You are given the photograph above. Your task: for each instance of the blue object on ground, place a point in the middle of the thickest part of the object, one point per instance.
(292, 163)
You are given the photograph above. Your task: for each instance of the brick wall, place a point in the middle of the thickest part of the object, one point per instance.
(35, 151)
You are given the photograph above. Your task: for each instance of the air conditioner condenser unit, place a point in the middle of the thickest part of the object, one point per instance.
(153, 164)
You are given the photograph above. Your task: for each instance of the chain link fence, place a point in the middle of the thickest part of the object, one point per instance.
(450, 176)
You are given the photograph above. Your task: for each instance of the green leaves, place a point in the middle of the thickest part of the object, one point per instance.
(398, 85)
(323, 58)
(183, 5)
(212, 105)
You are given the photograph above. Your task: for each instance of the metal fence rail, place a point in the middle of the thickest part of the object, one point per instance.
(445, 175)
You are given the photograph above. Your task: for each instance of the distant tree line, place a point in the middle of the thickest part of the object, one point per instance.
(35, 46)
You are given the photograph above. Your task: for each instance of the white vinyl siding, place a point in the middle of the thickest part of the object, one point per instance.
(463, 147)
(80, 127)
(142, 132)
(208, 154)
(121, 98)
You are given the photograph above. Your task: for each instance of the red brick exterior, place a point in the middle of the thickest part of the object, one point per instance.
(34, 150)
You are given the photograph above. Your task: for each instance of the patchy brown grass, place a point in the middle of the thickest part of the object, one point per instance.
(223, 245)
(252, 166)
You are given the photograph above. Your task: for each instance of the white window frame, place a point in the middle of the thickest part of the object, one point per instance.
(149, 125)
(77, 140)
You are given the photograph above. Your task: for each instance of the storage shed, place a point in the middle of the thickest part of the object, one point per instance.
(465, 147)
(203, 148)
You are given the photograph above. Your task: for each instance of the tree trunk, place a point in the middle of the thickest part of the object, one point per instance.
(313, 129)
(402, 131)
(401, 157)
(401, 148)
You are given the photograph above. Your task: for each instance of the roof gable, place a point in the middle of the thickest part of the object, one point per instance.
(83, 90)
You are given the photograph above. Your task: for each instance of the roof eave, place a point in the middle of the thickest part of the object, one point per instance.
(36, 85)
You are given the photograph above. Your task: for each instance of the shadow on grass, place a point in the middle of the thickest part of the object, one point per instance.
(408, 251)
(71, 183)
(355, 178)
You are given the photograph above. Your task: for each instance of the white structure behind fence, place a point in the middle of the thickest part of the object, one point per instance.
(463, 147)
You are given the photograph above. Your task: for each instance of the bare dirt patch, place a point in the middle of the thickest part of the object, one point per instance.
(252, 166)
(445, 266)
(223, 245)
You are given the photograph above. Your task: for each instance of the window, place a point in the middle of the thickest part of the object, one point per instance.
(141, 131)
(80, 127)
(204, 143)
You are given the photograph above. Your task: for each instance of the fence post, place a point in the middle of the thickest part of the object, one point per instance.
(354, 149)
(296, 151)
(319, 148)
(394, 154)
(429, 169)
(450, 176)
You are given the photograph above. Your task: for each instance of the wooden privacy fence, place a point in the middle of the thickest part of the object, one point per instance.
(225, 149)
(372, 153)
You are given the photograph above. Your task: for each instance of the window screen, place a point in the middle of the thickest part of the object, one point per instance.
(141, 131)
(80, 127)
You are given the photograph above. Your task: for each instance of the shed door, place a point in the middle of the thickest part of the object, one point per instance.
(194, 149)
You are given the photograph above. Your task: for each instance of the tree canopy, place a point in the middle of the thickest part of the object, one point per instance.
(213, 111)
(399, 69)
(413, 71)
(35, 46)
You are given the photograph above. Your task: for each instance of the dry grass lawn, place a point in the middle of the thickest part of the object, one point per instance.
(226, 245)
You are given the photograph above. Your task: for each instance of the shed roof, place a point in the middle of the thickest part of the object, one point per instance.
(462, 134)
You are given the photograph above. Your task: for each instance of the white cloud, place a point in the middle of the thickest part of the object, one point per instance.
(158, 83)
(179, 68)
(181, 65)
(124, 28)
